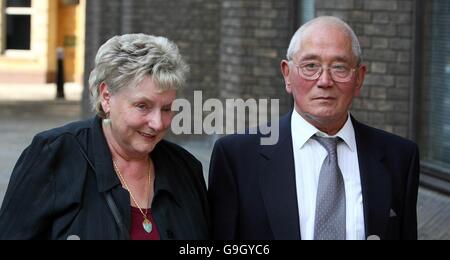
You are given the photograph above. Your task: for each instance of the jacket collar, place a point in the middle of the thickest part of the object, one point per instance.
(101, 158)
(375, 180)
(166, 172)
(277, 181)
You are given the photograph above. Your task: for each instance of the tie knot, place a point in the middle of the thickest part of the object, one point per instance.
(329, 143)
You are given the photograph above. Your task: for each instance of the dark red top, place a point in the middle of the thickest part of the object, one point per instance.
(137, 230)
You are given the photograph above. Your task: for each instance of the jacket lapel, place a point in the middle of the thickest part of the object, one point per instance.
(375, 181)
(277, 182)
(107, 181)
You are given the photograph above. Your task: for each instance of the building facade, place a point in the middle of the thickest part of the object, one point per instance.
(235, 47)
(31, 32)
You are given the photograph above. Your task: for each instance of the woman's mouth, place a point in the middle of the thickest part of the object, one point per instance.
(148, 136)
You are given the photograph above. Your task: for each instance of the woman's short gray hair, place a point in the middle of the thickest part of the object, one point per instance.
(126, 60)
(295, 45)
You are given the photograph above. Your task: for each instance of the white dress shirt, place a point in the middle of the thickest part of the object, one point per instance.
(309, 156)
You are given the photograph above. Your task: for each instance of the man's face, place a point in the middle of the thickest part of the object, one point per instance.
(323, 102)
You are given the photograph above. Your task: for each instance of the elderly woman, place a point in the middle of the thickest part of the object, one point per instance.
(113, 177)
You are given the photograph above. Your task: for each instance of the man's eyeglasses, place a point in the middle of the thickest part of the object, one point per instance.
(312, 71)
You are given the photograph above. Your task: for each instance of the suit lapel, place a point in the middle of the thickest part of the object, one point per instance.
(277, 182)
(375, 181)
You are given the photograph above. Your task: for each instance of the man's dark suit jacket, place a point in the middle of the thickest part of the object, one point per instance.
(54, 192)
(252, 188)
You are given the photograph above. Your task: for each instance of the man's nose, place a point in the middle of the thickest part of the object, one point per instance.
(325, 80)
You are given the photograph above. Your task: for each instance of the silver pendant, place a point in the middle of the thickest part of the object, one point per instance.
(148, 227)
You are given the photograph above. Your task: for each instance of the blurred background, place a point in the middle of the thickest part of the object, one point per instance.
(234, 47)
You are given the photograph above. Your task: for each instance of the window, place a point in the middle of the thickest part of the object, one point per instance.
(18, 3)
(18, 25)
(435, 135)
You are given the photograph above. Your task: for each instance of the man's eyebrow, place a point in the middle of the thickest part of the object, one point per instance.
(342, 59)
(310, 57)
(317, 57)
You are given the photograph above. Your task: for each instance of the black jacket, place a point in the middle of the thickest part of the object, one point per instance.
(253, 196)
(55, 193)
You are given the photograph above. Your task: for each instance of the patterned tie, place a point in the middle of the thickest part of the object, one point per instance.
(330, 202)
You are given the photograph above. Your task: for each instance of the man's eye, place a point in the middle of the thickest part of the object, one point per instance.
(311, 66)
(339, 68)
(141, 106)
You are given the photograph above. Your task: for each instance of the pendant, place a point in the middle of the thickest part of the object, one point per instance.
(147, 226)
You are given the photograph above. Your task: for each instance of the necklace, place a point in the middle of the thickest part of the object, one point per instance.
(146, 224)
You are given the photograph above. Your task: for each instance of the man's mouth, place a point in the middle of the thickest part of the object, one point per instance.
(324, 98)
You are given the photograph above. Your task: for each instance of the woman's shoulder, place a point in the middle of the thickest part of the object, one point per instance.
(68, 131)
(51, 144)
(71, 129)
(175, 150)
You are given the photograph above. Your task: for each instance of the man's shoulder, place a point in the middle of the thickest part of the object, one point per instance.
(381, 137)
(263, 136)
(240, 142)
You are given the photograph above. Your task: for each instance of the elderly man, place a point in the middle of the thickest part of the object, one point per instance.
(329, 176)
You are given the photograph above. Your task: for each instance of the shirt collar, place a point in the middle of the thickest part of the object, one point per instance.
(302, 131)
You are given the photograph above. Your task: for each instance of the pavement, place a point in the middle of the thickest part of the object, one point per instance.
(26, 110)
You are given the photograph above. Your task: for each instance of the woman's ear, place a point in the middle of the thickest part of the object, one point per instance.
(285, 69)
(105, 97)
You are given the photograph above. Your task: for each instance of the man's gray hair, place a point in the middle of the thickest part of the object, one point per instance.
(126, 60)
(295, 45)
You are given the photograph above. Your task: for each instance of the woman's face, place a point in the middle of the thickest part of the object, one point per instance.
(139, 117)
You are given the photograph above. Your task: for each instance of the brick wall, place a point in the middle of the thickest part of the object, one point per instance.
(103, 20)
(235, 47)
(385, 29)
(255, 36)
(192, 24)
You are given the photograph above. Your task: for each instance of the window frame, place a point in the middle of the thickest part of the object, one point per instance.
(434, 175)
(16, 53)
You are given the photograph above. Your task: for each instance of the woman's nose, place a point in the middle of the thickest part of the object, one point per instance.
(155, 121)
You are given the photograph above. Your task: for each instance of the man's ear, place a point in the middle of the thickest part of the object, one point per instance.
(361, 74)
(285, 69)
(105, 97)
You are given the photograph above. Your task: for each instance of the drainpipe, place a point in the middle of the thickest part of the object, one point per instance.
(417, 72)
